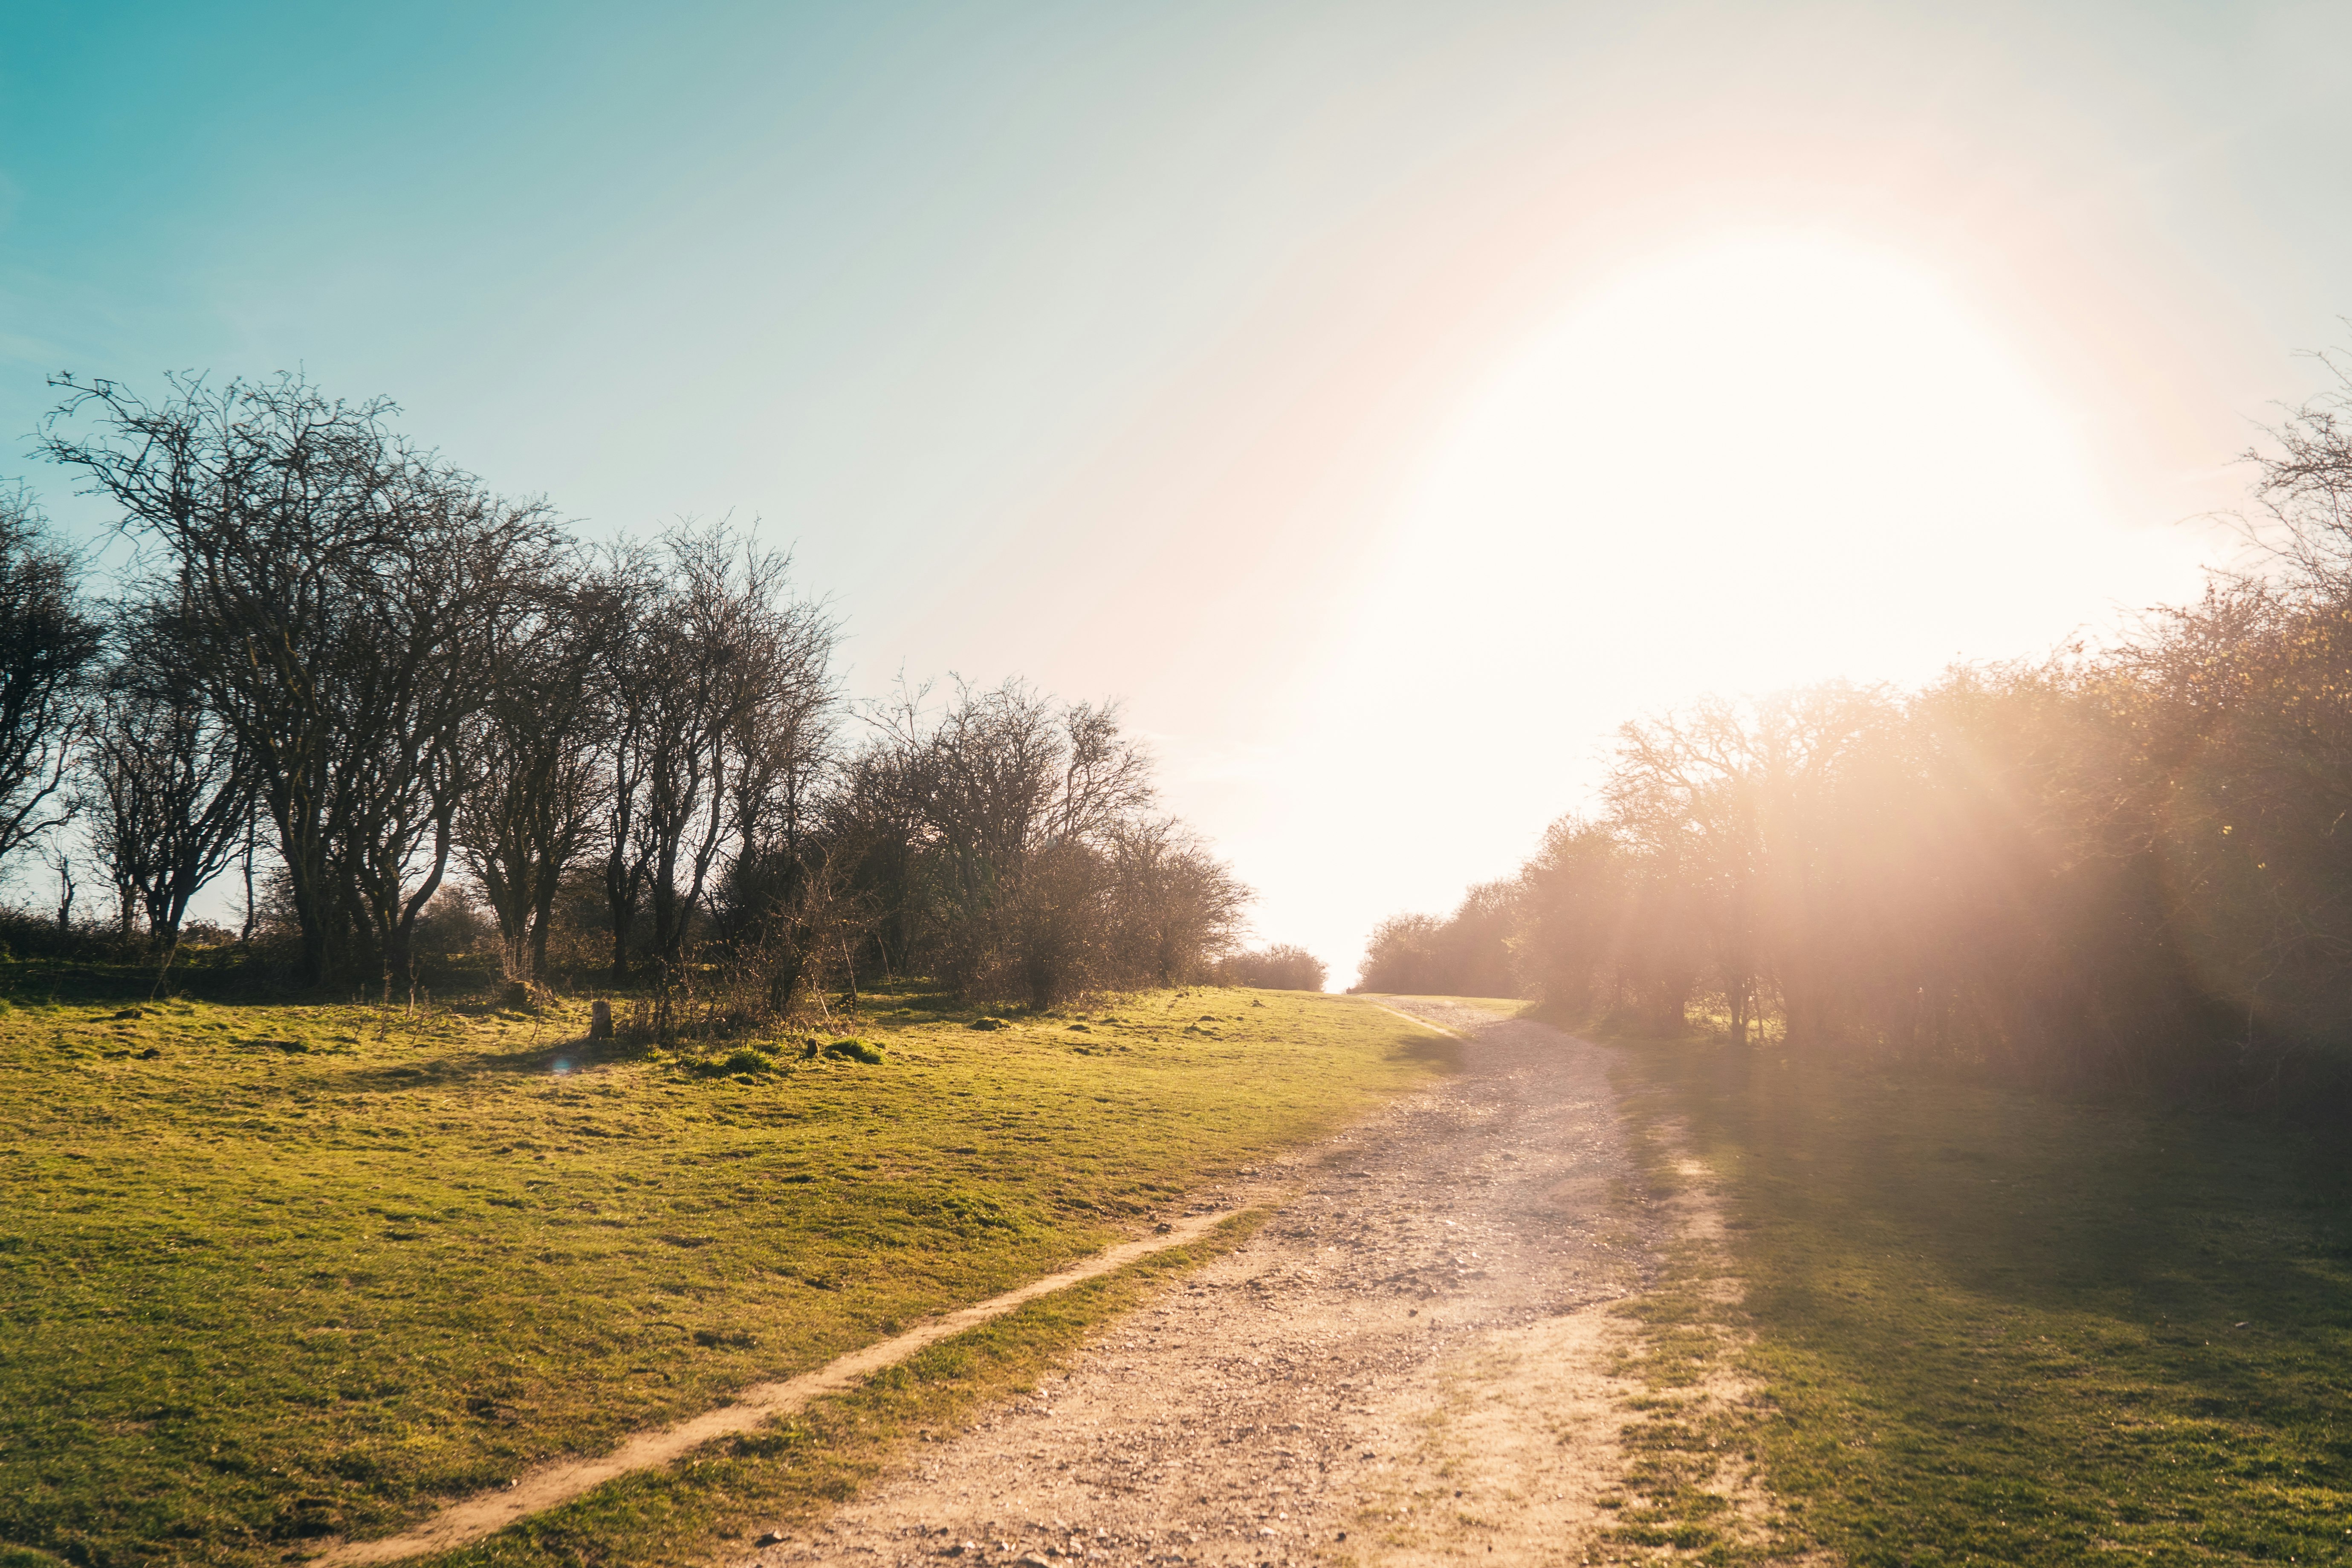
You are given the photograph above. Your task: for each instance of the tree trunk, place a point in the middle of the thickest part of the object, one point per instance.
(541, 918)
(618, 899)
(310, 968)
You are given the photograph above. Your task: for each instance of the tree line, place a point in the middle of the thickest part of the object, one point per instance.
(343, 667)
(1283, 966)
(2128, 865)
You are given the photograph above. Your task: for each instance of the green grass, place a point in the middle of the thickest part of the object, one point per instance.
(1995, 1327)
(790, 1473)
(271, 1272)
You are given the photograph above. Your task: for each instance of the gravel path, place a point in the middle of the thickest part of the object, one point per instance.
(1407, 1364)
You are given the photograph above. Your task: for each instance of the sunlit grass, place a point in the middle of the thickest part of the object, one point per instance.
(791, 1472)
(271, 1272)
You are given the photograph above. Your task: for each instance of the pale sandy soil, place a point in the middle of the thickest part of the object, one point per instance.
(1409, 1365)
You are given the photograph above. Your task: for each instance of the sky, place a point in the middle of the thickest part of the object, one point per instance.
(1383, 402)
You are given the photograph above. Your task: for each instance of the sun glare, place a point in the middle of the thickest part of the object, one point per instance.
(1775, 460)
(1769, 461)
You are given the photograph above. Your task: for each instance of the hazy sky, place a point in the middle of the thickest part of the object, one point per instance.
(1384, 401)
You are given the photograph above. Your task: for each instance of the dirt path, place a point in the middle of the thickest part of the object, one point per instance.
(1407, 1365)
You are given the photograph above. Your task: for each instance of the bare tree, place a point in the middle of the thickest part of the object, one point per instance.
(789, 896)
(1176, 908)
(420, 663)
(60, 862)
(719, 696)
(272, 506)
(534, 793)
(1017, 800)
(628, 678)
(2306, 493)
(336, 588)
(1741, 807)
(173, 793)
(878, 839)
(1005, 774)
(48, 647)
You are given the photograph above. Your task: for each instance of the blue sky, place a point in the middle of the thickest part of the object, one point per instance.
(1281, 369)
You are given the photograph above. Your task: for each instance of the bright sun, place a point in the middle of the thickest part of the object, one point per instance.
(1776, 459)
(1773, 460)
(1768, 462)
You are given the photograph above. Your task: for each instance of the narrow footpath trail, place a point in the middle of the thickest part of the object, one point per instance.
(1408, 1364)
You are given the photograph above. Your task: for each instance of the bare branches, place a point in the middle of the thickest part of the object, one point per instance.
(721, 688)
(398, 669)
(48, 643)
(173, 794)
(332, 593)
(2305, 489)
(1015, 839)
(533, 791)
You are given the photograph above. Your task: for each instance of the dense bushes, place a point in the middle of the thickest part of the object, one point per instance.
(1008, 845)
(1281, 967)
(1467, 955)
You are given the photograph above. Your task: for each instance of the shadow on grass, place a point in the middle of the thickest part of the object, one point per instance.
(1440, 1053)
(224, 975)
(570, 1055)
(1999, 1325)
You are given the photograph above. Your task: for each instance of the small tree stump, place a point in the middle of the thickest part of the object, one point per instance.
(600, 1020)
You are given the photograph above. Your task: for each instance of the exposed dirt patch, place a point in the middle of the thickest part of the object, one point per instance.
(1409, 1363)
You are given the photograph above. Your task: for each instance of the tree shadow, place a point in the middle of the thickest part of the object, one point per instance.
(558, 1058)
(2066, 1296)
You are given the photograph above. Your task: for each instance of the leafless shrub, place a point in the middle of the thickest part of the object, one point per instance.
(1281, 967)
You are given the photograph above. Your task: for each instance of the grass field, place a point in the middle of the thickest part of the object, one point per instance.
(1995, 1327)
(272, 1272)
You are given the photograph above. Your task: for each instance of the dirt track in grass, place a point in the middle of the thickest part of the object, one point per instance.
(550, 1485)
(1409, 1364)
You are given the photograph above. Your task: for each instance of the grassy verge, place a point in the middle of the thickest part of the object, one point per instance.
(271, 1272)
(1993, 1327)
